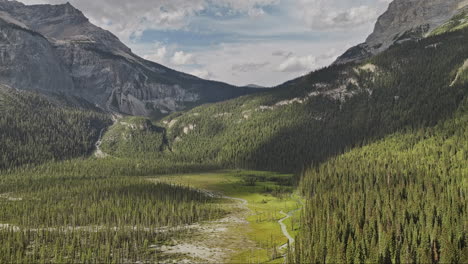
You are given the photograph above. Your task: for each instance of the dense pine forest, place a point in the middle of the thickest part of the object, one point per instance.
(71, 215)
(380, 150)
(399, 200)
(134, 137)
(36, 129)
(458, 22)
(415, 84)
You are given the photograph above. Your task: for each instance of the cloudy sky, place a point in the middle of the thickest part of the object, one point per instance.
(264, 42)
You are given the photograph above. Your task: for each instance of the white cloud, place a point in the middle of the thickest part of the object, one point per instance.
(182, 58)
(249, 67)
(259, 63)
(330, 54)
(298, 64)
(162, 54)
(202, 73)
(256, 12)
(129, 19)
(168, 55)
(159, 55)
(251, 7)
(351, 17)
(339, 14)
(282, 53)
(279, 46)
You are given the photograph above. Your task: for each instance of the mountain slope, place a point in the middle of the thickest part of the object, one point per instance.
(36, 129)
(72, 56)
(457, 22)
(414, 84)
(399, 200)
(27, 60)
(404, 20)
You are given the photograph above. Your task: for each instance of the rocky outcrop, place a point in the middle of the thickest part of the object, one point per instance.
(403, 21)
(55, 48)
(28, 61)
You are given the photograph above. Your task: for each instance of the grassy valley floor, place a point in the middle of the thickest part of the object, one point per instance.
(251, 232)
(69, 216)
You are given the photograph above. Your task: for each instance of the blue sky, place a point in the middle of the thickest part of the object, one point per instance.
(264, 42)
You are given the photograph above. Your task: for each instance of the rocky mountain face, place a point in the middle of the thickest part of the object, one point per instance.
(54, 48)
(404, 20)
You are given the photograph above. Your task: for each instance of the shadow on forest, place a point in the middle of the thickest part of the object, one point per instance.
(414, 92)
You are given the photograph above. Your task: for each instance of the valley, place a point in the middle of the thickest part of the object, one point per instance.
(265, 196)
(106, 157)
(223, 216)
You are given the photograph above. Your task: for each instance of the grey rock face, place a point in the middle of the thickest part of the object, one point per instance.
(404, 20)
(356, 53)
(56, 48)
(119, 83)
(27, 61)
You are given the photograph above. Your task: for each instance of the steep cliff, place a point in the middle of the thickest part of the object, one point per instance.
(56, 48)
(404, 20)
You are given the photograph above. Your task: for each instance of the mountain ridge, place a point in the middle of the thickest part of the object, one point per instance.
(320, 115)
(308, 118)
(379, 147)
(92, 63)
(404, 20)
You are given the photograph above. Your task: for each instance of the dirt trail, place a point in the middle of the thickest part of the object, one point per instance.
(284, 228)
(200, 251)
(243, 202)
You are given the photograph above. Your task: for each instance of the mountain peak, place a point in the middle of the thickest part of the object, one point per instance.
(404, 20)
(75, 57)
(410, 16)
(39, 16)
(63, 23)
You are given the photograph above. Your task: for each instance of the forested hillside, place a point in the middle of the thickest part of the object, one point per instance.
(82, 211)
(379, 150)
(35, 129)
(456, 23)
(399, 200)
(414, 84)
(134, 137)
